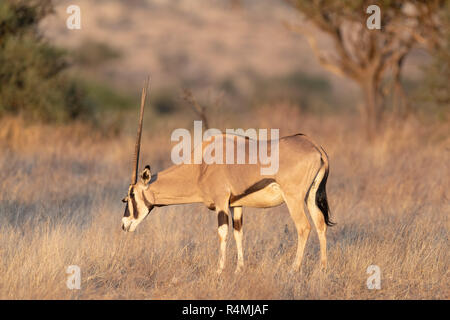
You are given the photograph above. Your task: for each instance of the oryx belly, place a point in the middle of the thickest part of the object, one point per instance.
(269, 196)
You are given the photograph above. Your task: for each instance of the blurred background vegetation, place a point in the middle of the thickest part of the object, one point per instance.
(45, 78)
(35, 81)
(32, 82)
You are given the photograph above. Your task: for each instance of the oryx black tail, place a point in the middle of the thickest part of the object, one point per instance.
(321, 197)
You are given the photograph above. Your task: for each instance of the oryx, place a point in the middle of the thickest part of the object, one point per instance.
(226, 188)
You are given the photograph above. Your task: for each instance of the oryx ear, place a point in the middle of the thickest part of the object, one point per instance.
(146, 175)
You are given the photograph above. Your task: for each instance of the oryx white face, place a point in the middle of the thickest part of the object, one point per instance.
(138, 206)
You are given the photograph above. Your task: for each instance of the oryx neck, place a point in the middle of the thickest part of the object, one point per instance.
(176, 185)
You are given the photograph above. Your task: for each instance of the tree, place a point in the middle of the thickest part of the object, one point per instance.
(372, 58)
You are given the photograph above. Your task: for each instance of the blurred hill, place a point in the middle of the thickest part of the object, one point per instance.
(218, 49)
(202, 44)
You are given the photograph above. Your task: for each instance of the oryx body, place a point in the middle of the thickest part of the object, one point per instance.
(226, 188)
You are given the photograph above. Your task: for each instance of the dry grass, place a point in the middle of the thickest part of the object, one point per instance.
(60, 205)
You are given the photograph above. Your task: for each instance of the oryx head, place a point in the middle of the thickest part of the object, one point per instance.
(138, 205)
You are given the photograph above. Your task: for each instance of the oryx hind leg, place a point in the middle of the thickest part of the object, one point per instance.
(238, 235)
(295, 204)
(318, 217)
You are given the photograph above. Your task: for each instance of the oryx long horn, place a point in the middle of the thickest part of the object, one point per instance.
(139, 134)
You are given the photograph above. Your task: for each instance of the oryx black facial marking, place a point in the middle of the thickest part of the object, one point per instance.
(127, 212)
(133, 203)
(130, 198)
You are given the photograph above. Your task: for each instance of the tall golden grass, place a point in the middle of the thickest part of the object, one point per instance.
(60, 191)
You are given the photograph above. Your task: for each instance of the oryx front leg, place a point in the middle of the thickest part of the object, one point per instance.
(238, 235)
(222, 218)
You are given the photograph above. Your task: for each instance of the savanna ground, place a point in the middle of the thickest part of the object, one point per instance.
(60, 205)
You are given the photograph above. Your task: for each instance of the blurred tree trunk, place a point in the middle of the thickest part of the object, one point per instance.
(372, 101)
(400, 100)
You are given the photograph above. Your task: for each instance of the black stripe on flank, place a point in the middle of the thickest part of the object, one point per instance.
(253, 188)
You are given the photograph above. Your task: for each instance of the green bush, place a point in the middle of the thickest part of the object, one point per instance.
(32, 78)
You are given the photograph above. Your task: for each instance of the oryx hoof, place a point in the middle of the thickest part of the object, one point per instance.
(239, 269)
(295, 269)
